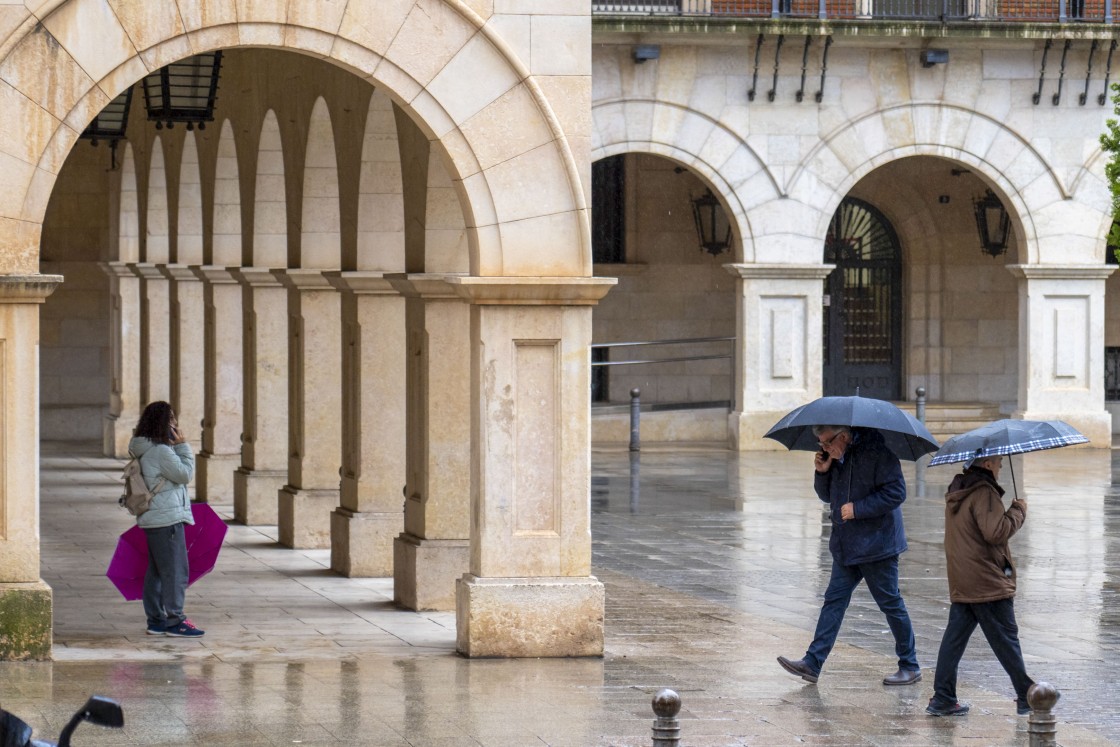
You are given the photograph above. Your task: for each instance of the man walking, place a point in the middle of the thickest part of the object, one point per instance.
(861, 480)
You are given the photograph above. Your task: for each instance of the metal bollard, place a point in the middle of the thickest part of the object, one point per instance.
(666, 727)
(920, 404)
(1042, 724)
(635, 418)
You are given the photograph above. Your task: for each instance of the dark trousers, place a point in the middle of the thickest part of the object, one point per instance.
(165, 583)
(882, 581)
(997, 621)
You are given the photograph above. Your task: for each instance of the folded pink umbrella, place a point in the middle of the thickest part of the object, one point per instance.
(204, 542)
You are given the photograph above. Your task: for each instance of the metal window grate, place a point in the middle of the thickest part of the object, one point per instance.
(1112, 374)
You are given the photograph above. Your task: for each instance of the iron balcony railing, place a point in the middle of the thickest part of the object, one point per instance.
(1036, 11)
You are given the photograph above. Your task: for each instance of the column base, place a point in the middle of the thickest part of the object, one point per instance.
(362, 542)
(214, 477)
(254, 495)
(425, 571)
(529, 617)
(116, 432)
(747, 429)
(26, 619)
(1095, 425)
(304, 517)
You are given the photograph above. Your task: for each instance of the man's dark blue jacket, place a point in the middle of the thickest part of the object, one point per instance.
(871, 478)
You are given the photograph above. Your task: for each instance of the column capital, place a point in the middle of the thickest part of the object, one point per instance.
(779, 272)
(180, 273)
(363, 283)
(117, 269)
(27, 288)
(147, 270)
(536, 291)
(424, 285)
(298, 279)
(1062, 272)
(256, 277)
(214, 274)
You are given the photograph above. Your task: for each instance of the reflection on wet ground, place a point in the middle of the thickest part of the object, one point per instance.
(713, 564)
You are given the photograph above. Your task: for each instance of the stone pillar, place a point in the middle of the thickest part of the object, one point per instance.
(777, 347)
(25, 599)
(314, 409)
(433, 551)
(188, 363)
(264, 429)
(222, 411)
(373, 425)
(1061, 347)
(124, 359)
(530, 591)
(155, 334)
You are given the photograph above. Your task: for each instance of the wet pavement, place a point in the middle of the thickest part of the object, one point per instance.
(713, 563)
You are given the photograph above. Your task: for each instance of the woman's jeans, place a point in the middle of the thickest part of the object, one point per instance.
(165, 583)
(997, 621)
(882, 581)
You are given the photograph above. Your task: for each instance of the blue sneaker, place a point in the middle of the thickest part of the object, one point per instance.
(184, 629)
(157, 630)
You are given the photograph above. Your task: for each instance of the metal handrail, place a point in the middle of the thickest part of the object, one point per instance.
(639, 361)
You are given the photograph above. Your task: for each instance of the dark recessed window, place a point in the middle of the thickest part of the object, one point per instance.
(608, 210)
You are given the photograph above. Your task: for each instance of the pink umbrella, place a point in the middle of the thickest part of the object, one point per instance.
(130, 560)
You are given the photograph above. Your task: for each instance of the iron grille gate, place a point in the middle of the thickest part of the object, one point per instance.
(863, 304)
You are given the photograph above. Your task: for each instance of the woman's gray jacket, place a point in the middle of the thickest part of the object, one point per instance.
(175, 465)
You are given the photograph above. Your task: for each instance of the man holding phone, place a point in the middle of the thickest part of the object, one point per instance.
(861, 480)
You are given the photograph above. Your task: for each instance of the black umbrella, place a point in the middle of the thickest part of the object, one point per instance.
(1007, 437)
(904, 434)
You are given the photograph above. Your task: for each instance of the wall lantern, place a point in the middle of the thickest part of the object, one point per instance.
(110, 124)
(712, 225)
(994, 224)
(184, 91)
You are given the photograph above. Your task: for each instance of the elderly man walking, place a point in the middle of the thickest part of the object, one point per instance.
(861, 480)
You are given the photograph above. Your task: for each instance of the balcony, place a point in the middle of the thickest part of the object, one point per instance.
(941, 11)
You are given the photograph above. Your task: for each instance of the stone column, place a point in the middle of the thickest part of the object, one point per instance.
(25, 599)
(370, 516)
(155, 334)
(530, 591)
(264, 429)
(314, 409)
(188, 364)
(222, 411)
(433, 551)
(124, 359)
(1061, 347)
(777, 347)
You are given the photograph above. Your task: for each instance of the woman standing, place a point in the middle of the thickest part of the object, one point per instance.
(167, 464)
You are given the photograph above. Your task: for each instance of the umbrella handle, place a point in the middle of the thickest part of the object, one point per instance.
(1014, 487)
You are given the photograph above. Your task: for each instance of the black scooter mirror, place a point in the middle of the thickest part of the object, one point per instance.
(97, 710)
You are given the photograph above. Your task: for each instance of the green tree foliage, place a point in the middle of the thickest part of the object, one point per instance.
(1110, 143)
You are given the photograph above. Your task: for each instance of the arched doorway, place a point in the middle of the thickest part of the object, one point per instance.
(863, 304)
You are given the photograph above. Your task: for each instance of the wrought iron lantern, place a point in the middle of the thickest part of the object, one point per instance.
(184, 91)
(712, 225)
(110, 124)
(993, 223)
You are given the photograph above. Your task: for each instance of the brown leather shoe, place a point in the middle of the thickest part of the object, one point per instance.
(903, 677)
(799, 668)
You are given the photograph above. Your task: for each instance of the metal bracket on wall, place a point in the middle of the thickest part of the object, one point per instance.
(754, 80)
(777, 64)
(824, 67)
(1057, 97)
(1107, 74)
(1088, 73)
(804, 66)
(1042, 73)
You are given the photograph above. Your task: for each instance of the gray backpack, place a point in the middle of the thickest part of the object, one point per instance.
(137, 498)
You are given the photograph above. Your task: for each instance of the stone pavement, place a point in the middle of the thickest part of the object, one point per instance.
(713, 564)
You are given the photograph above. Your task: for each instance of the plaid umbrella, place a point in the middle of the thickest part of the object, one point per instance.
(903, 433)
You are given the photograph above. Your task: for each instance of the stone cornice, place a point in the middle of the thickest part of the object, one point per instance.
(179, 273)
(215, 274)
(303, 280)
(27, 288)
(117, 269)
(1062, 272)
(147, 270)
(363, 283)
(256, 277)
(779, 272)
(429, 286)
(533, 291)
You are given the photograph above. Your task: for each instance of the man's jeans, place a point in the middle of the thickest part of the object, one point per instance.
(997, 621)
(165, 583)
(882, 581)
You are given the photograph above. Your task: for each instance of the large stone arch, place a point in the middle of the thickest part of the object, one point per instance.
(1021, 176)
(439, 60)
(716, 154)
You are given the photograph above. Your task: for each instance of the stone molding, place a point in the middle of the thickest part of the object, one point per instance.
(147, 270)
(538, 291)
(179, 273)
(1062, 272)
(215, 274)
(117, 269)
(779, 272)
(28, 288)
(257, 277)
(429, 286)
(303, 280)
(362, 283)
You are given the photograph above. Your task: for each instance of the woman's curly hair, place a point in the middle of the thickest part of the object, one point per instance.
(155, 423)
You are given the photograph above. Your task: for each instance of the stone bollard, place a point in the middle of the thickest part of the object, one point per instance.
(666, 727)
(635, 419)
(920, 404)
(1042, 724)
